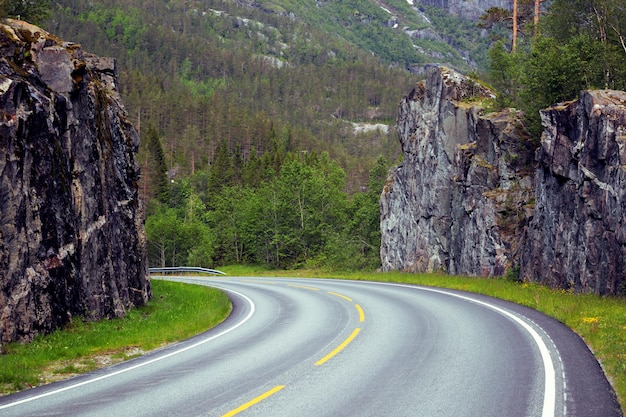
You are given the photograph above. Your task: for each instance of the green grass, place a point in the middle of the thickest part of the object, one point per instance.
(176, 312)
(600, 321)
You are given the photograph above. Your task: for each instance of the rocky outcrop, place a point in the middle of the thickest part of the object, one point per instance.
(475, 196)
(458, 202)
(72, 241)
(577, 236)
(467, 9)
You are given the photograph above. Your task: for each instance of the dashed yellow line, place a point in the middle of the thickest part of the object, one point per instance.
(303, 287)
(322, 361)
(259, 282)
(340, 295)
(339, 348)
(254, 401)
(361, 313)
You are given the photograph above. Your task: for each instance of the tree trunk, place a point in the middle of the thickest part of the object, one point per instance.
(514, 47)
(536, 17)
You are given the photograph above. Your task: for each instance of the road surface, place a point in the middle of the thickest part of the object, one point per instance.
(308, 347)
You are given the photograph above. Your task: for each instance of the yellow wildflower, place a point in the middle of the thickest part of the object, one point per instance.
(590, 320)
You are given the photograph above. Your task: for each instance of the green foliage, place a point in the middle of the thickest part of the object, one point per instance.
(358, 246)
(237, 220)
(222, 170)
(178, 235)
(512, 274)
(33, 11)
(294, 212)
(154, 175)
(202, 77)
(193, 82)
(243, 76)
(579, 45)
(343, 253)
(505, 76)
(123, 26)
(553, 73)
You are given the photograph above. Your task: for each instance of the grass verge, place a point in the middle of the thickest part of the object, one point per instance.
(176, 312)
(600, 321)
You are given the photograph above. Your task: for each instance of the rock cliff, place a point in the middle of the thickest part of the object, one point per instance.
(71, 235)
(458, 201)
(475, 196)
(577, 236)
(468, 9)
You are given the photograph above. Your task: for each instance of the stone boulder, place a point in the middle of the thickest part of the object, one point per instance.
(72, 241)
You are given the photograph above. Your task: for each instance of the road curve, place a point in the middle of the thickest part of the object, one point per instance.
(312, 347)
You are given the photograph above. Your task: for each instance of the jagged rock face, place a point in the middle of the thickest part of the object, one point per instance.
(577, 236)
(468, 9)
(458, 201)
(71, 235)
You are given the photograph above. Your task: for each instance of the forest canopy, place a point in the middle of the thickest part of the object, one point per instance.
(575, 45)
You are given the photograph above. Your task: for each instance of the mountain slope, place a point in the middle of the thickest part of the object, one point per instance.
(251, 73)
(208, 71)
(404, 32)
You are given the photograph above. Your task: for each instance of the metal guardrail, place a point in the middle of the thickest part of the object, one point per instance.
(182, 269)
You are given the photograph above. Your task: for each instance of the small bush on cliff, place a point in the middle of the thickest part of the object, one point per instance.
(512, 274)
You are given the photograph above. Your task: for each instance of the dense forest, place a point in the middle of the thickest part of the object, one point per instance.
(233, 103)
(201, 75)
(267, 126)
(550, 57)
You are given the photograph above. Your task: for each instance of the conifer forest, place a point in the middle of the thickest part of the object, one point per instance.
(267, 127)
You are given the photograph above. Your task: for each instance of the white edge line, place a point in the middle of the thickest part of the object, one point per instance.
(549, 399)
(139, 365)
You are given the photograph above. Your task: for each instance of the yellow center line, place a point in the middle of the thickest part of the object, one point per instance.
(254, 401)
(339, 348)
(303, 287)
(339, 295)
(259, 282)
(361, 313)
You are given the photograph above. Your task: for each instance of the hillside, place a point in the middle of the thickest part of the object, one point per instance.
(325, 76)
(407, 33)
(267, 128)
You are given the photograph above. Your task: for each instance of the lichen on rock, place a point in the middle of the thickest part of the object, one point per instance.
(475, 196)
(72, 241)
(577, 236)
(456, 203)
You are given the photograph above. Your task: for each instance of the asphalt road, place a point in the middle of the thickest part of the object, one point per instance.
(305, 347)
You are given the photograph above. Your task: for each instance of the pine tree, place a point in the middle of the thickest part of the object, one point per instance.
(155, 184)
(221, 170)
(251, 173)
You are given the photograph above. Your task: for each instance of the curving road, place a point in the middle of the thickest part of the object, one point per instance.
(307, 347)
